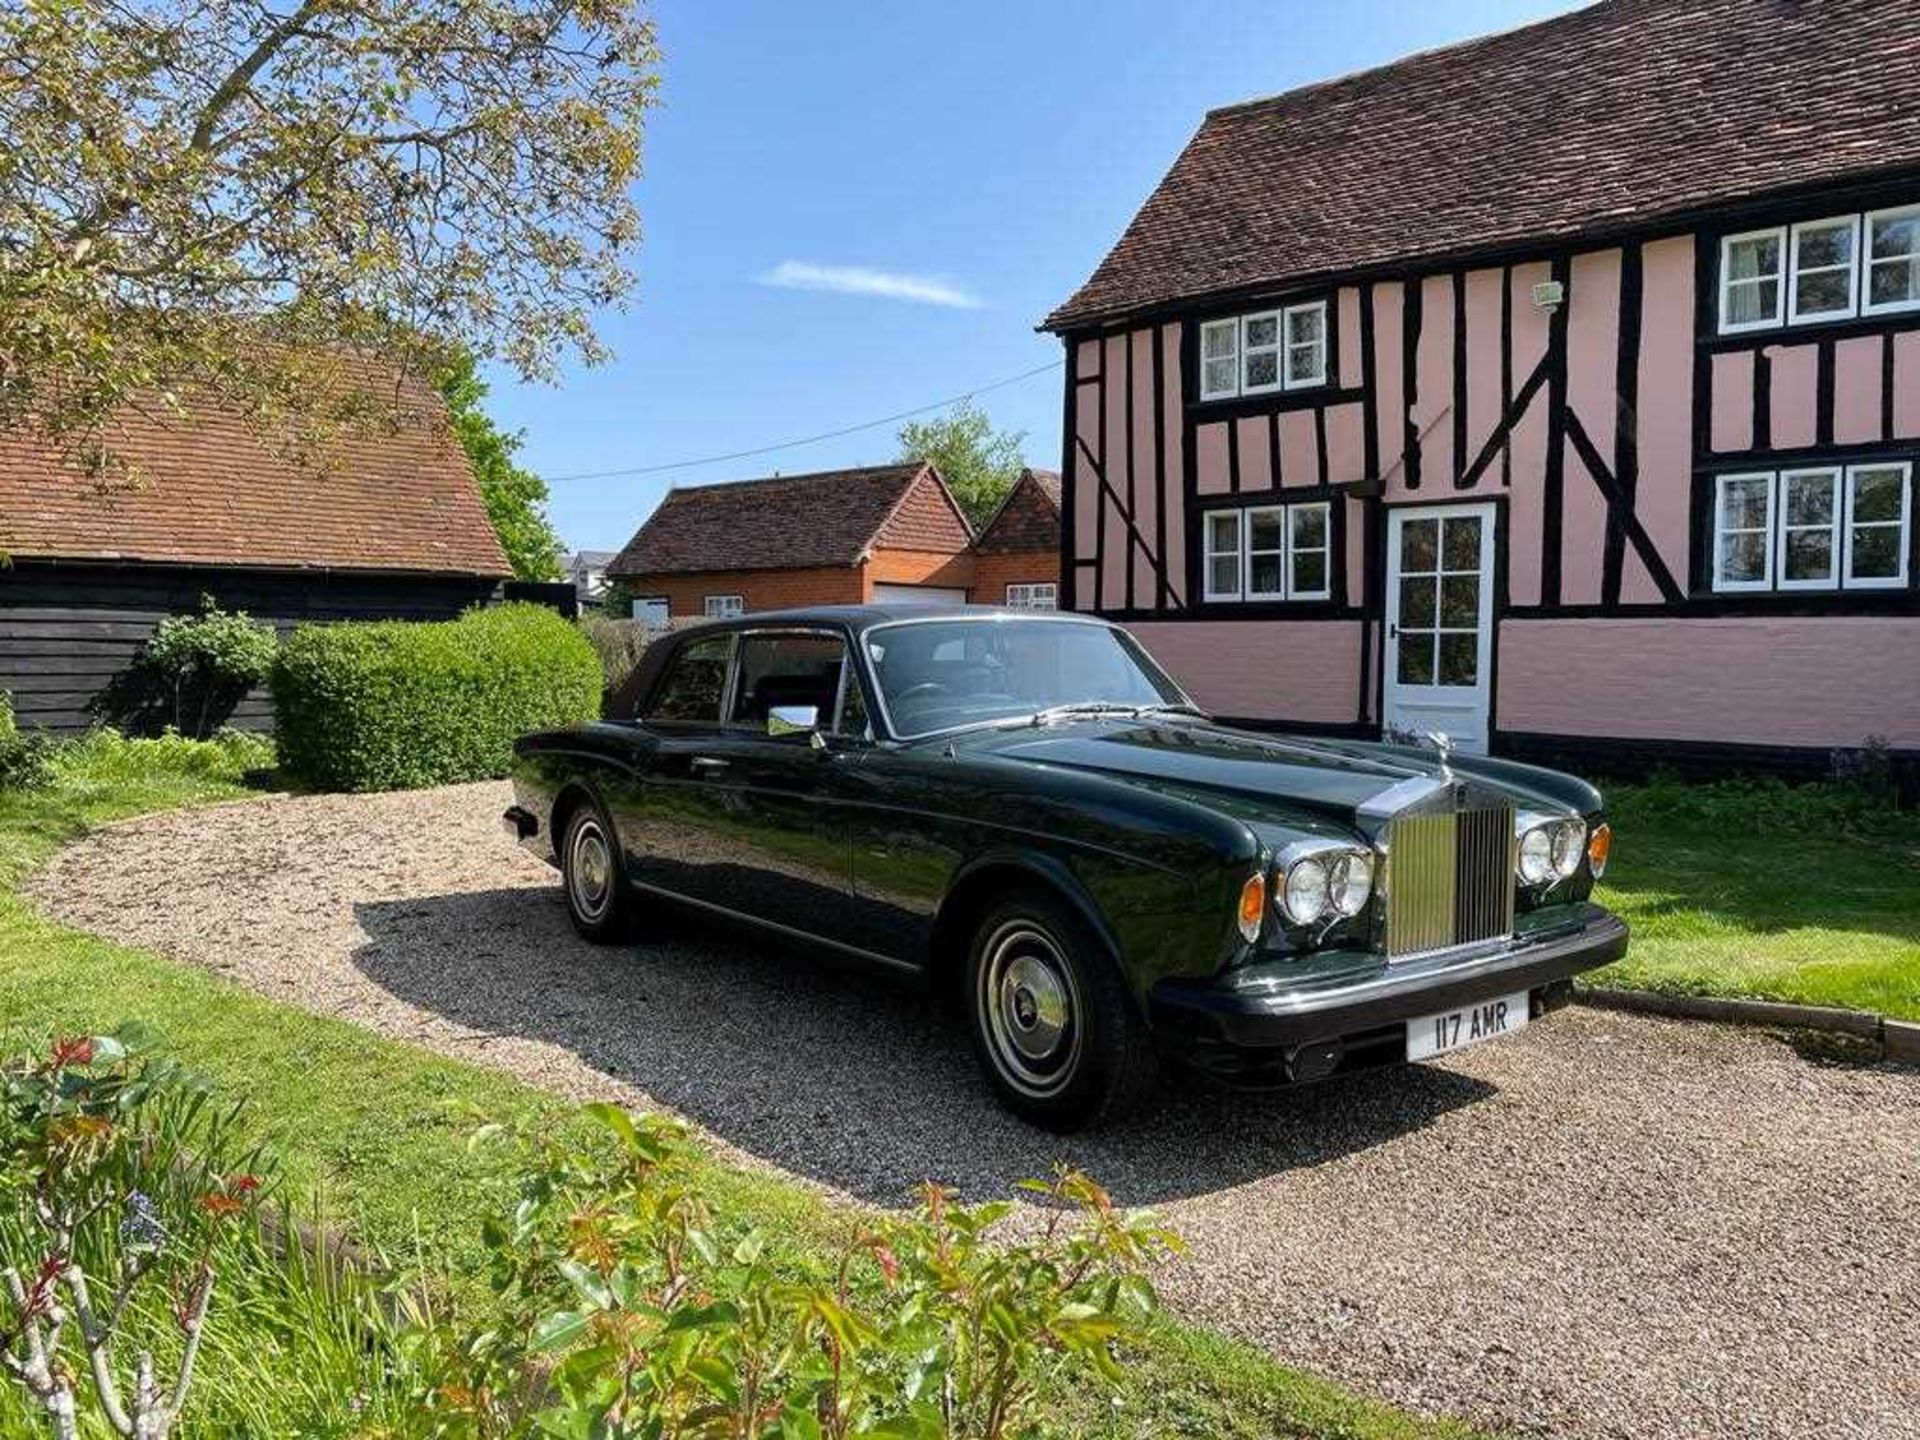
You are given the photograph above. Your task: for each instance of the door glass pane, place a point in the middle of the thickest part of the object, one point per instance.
(694, 680)
(1416, 658)
(1419, 546)
(1459, 658)
(786, 670)
(1460, 601)
(1417, 603)
(1462, 543)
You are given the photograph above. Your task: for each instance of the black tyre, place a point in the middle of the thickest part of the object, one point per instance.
(599, 902)
(1055, 1028)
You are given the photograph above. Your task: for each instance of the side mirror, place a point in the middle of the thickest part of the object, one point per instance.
(784, 720)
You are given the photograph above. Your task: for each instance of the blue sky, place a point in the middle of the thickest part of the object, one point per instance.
(853, 210)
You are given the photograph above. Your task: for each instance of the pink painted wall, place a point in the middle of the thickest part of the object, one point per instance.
(1528, 445)
(1765, 680)
(1732, 399)
(1256, 456)
(1856, 389)
(1664, 434)
(1794, 405)
(1211, 473)
(1389, 412)
(1113, 573)
(1906, 384)
(1484, 400)
(1173, 471)
(1303, 670)
(1593, 360)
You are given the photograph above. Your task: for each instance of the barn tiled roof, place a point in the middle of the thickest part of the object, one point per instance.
(212, 490)
(1028, 519)
(791, 522)
(1626, 112)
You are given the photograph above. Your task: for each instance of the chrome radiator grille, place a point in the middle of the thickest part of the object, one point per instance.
(1449, 880)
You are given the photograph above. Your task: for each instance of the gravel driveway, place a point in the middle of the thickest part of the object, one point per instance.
(1608, 1226)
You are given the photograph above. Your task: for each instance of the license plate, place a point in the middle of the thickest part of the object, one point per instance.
(1432, 1035)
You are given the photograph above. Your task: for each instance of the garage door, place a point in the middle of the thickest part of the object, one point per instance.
(920, 594)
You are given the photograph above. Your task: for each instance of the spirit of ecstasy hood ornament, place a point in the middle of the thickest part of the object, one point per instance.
(1443, 743)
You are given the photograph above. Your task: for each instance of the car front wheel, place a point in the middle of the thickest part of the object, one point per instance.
(598, 900)
(1055, 1029)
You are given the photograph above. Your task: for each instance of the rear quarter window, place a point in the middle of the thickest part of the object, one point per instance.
(689, 693)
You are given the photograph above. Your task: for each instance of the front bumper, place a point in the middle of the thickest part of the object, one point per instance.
(1268, 1023)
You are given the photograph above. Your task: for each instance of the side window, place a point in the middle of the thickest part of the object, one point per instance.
(690, 692)
(853, 709)
(786, 670)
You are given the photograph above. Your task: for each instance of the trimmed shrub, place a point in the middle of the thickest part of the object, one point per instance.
(395, 704)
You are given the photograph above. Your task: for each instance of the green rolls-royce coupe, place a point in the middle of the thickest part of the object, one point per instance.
(1024, 808)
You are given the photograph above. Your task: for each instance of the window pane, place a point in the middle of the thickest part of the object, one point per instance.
(1417, 603)
(1263, 369)
(1217, 377)
(1223, 573)
(786, 670)
(1223, 531)
(1890, 282)
(1809, 499)
(1462, 541)
(1263, 330)
(1809, 555)
(1459, 658)
(1743, 503)
(1217, 339)
(1310, 572)
(1460, 600)
(1876, 552)
(1823, 292)
(1758, 300)
(853, 710)
(1743, 556)
(1305, 363)
(1757, 255)
(1309, 527)
(1263, 531)
(1419, 545)
(1876, 495)
(691, 690)
(1305, 325)
(1263, 575)
(1416, 658)
(1895, 235)
(1828, 245)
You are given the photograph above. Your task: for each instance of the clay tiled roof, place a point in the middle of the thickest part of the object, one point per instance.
(1028, 519)
(213, 491)
(792, 522)
(1627, 112)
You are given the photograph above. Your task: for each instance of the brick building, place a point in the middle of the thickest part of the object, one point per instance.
(1016, 560)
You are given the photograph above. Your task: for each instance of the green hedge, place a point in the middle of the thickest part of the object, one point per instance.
(395, 704)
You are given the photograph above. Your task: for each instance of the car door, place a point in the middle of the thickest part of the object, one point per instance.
(661, 824)
(768, 830)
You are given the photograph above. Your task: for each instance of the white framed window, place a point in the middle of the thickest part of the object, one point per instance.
(1269, 552)
(1752, 267)
(1266, 553)
(1309, 552)
(1892, 252)
(1743, 533)
(1824, 278)
(1219, 359)
(1265, 351)
(651, 610)
(1808, 554)
(1879, 505)
(1223, 567)
(1817, 528)
(724, 607)
(1040, 595)
(1306, 345)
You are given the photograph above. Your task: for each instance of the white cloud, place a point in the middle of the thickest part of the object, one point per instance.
(881, 284)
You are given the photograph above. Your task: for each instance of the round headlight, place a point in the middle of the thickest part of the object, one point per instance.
(1350, 882)
(1536, 855)
(1305, 897)
(1569, 838)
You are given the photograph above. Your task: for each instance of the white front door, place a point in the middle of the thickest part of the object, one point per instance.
(1439, 654)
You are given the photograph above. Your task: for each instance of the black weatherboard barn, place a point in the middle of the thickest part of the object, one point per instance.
(386, 525)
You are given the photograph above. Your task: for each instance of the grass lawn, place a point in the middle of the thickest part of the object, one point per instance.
(1810, 895)
(378, 1129)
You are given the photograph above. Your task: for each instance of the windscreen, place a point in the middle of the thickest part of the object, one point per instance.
(935, 675)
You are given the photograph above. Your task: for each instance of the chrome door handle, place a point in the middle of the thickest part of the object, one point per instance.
(708, 762)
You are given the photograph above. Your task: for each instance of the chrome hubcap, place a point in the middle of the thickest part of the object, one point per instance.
(1030, 1008)
(589, 870)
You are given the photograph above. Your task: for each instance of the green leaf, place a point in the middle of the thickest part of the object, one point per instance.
(614, 1120)
(559, 1330)
(701, 1317)
(587, 1283)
